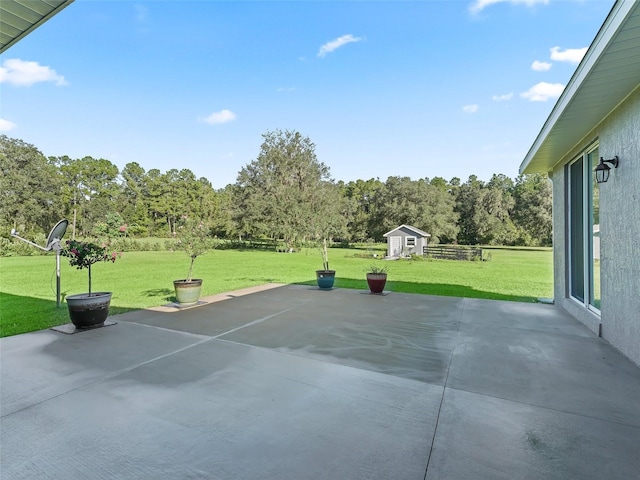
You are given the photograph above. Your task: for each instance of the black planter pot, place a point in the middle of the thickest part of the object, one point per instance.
(89, 311)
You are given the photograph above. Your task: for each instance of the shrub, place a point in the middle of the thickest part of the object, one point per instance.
(6, 247)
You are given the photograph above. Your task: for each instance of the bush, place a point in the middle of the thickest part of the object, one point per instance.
(6, 247)
(141, 245)
(136, 230)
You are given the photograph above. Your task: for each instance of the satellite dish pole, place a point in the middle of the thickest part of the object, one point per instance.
(53, 243)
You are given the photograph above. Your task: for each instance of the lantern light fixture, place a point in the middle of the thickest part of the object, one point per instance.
(603, 170)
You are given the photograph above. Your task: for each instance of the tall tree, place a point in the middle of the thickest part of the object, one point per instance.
(29, 199)
(278, 192)
(468, 199)
(532, 211)
(133, 196)
(89, 189)
(497, 205)
(157, 198)
(360, 195)
(414, 202)
(223, 223)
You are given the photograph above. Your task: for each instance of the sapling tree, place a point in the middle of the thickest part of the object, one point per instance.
(194, 240)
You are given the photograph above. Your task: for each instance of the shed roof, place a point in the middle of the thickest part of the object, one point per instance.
(608, 73)
(18, 18)
(420, 233)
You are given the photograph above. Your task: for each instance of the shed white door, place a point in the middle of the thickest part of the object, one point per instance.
(395, 246)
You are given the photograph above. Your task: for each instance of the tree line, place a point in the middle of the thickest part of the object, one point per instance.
(285, 194)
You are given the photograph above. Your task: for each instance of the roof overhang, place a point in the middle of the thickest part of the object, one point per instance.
(18, 18)
(408, 227)
(608, 73)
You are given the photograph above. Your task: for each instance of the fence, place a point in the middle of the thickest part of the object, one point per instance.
(453, 253)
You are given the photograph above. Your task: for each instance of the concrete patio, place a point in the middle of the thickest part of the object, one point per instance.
(296, 383)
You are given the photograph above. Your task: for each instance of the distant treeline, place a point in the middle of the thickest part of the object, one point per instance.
(286, 194)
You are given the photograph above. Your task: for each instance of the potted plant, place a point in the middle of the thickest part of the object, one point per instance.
(376, 278)
(194, 241)
(88, 310)
(325, 277)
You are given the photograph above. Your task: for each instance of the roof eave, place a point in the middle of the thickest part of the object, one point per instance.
(414, 229)
(51, 13)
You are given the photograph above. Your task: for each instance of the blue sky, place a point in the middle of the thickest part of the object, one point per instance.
(409, 88)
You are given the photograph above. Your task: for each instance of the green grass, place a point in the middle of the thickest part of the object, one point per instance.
(144, 279)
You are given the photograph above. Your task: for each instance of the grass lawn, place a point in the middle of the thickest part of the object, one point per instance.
(144, 279)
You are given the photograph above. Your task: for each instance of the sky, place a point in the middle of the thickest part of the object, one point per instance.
(382, 88)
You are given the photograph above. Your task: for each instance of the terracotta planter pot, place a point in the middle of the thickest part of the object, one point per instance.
(188, 293)
(89, 311)
(376, 282)
(325, 279)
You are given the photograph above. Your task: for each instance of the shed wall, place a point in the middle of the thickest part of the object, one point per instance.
(403, 233)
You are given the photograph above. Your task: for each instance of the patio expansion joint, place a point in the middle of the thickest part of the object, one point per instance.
(211, 337)
(444, 390)
(254, 322)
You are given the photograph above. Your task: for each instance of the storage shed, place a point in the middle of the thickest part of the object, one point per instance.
(405, 240)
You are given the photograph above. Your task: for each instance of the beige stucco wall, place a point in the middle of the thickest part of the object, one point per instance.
(618, 134)
(620, 230)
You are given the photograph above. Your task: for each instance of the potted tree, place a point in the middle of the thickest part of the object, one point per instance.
(325, 277)
(88, 310)
(376, 278)
(193, 239)
(326, 221)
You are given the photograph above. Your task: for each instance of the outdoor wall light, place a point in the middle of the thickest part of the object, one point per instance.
(602, 170)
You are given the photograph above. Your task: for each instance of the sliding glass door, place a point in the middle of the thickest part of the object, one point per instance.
(584, 230)
(576, 229)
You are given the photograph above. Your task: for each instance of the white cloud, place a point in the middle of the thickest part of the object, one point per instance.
(478, 5)
(503, 98)
(541, 66)
(337, 43)
(543, 91)
(223, 116)
(24, 74)
(571, 55)
(6, 125)
(285, 89)
(470, 108)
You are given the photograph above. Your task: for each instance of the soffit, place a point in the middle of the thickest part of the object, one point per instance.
(20, 17)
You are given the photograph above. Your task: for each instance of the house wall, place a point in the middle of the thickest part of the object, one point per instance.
(620, 230)
(619, 321)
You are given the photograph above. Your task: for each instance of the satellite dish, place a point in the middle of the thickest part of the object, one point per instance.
(53, 243)
(56, 234)
(53, 240)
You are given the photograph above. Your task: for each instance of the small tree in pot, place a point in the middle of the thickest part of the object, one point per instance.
(325, 277)
(193, 239)
(88, 310)
(327, 221)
